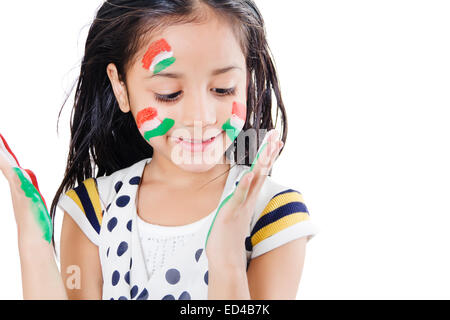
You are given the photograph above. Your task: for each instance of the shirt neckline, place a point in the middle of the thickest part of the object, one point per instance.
(183, 229)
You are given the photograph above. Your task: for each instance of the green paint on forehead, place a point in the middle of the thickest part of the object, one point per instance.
(165, 126)
(164, 65)
(37, 206)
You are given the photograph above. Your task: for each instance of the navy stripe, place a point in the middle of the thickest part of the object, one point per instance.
(278, 213)
(285, 191)
(87, 205)
(248, 244)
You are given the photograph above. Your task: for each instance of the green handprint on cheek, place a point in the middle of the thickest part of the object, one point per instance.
(37, 206)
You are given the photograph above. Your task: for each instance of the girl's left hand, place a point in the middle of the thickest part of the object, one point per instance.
(226, 243)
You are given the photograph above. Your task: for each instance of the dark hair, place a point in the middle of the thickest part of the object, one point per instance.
(103, 138)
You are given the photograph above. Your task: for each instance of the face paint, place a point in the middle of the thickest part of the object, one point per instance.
(150, 126)
(30, 186)
(234, 125)
(158, 57)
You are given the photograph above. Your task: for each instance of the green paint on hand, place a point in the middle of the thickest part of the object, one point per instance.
(165, 126)
(37, 206)
(231, 131)
(164, 64)
(229, 197)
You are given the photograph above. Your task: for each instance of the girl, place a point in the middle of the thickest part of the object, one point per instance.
(166, 193)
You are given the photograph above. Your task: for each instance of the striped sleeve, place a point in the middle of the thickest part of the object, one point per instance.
(84, 206)
(285, 218)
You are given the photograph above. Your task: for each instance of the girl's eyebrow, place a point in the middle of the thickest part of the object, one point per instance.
(179, 75)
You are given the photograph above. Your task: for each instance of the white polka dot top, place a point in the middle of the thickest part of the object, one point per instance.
(159, 242)
(141, 261)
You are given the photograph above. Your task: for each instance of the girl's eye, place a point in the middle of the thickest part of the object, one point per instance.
(169, 97)
(225, 92)
(175, 96)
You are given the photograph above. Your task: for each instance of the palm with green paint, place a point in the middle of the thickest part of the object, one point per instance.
(25, 192)
(225, 240)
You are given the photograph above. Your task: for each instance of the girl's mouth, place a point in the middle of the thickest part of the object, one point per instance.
(196, 145)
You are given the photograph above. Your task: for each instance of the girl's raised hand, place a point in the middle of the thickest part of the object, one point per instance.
(225, 244)
(29, 206)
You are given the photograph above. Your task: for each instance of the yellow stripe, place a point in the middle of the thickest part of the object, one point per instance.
(73, 195)
(91, 188)
(281, 200)
(278, 225)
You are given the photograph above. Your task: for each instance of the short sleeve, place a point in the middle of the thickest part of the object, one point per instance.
(84, 206)
(284, 218)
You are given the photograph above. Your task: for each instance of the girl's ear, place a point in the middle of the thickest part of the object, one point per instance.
(119, 88)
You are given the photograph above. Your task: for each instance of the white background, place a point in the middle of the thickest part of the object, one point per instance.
(366, 87)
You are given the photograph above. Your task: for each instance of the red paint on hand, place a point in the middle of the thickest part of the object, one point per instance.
(30, 173)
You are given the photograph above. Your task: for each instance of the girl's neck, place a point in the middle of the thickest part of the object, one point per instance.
(163, 170)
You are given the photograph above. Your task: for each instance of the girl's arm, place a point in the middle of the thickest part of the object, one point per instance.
(40, 275)
(41, 278)
(276, 274)
(80, 263)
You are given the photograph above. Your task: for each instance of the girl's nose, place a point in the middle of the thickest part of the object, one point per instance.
(198, 109)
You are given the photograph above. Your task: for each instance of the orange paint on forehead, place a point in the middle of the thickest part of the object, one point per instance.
(146, 115)
(155, 48)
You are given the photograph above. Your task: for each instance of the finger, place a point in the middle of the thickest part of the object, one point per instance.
(241, 191)
(259, 180)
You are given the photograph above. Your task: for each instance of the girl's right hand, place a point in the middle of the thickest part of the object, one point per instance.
(31, 214)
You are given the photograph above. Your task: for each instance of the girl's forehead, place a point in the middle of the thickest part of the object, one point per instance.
(213, 41)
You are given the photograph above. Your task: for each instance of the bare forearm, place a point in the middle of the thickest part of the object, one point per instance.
(228, 284)
(41, 279)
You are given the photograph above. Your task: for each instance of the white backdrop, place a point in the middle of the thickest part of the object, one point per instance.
(366, 86)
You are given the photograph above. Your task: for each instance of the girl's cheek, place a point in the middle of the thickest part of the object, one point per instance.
(236, 123)
(150, 125)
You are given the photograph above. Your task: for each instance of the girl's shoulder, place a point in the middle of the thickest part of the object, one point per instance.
(280, 215)
(88, 202)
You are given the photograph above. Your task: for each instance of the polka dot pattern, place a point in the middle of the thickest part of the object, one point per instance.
(123, 247)
(122, 201)
(185, 296)
(134, 291)
(118, 249)
(135, 181)
(173, 276)
(143, 295)
(112, 224)
(115, 278)
(198, 253)
(118, 186)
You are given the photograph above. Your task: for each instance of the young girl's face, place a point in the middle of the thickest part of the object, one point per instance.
(187, 91)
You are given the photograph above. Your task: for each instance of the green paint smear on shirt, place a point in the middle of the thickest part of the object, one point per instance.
(229, 197)
(37, 206)
(163, 65)
(165, 126)
(231, 131)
